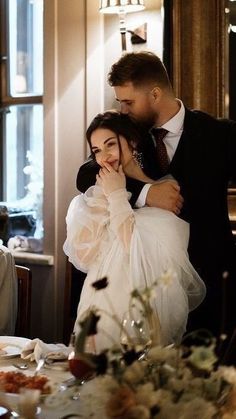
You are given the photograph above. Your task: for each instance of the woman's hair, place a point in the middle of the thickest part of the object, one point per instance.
(119, 123)
(139, 68)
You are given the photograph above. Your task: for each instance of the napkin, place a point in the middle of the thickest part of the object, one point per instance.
(36, 349)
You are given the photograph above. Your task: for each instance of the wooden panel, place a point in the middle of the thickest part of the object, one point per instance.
(200, 54)
(23, 320)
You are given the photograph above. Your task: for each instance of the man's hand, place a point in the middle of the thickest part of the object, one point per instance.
(110, 180)
(165, 195)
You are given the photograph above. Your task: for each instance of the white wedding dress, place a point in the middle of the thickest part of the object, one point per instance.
(133, 248)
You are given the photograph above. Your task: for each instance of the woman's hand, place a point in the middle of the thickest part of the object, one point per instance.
(111, 180)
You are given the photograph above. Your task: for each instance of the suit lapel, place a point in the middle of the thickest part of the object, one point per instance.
(188, 142)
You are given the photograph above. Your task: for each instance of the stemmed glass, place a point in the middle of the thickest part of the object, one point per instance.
(78, 366)
(135, 333)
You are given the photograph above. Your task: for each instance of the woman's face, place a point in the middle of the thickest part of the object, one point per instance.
(105, 147)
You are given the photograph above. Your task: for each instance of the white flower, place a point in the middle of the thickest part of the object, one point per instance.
(138, 412)
(212, 387)
(228, 374)
(199, 409)
(203, 357)
(135, 372)
(160, 354)
(146, 395)
(177, 385)
(170, 410)
(185, 374)
(163, 397)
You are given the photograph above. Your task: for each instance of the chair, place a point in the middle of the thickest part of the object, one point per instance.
(24, 276)
(74, 280)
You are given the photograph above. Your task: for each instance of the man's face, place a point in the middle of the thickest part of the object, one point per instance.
(138, 103)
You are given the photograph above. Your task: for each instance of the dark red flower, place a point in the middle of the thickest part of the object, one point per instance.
(100, 283)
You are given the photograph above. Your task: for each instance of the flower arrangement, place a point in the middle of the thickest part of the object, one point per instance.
(159, 382)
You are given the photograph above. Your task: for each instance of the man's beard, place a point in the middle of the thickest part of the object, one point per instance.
(146, 121)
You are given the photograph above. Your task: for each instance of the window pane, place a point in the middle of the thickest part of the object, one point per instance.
(26, 47)
(24, 160)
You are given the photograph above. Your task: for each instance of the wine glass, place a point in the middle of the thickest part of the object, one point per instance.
(79, 367)
(135, 332)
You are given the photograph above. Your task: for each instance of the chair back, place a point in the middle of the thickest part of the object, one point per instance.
(74, 280)
(24, 276)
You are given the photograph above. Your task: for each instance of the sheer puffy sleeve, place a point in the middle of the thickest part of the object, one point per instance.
(121, 216)
(87, 219)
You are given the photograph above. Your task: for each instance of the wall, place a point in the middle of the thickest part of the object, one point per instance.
(80, 46)
(64, 104)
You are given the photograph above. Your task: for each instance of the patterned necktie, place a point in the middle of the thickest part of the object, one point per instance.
(162, 156)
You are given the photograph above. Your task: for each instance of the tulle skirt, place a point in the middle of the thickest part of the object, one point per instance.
(158, 246)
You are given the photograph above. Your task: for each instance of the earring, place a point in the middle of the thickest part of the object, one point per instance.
(138, 158)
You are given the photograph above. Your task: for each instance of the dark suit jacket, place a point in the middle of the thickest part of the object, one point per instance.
(203, 164)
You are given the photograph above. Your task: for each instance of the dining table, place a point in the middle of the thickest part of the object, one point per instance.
(64, 400)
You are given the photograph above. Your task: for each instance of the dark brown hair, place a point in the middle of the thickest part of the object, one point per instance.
(140, 68)
(119, 123)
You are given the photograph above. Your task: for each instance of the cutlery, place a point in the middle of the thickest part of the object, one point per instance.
(40, 365)
(21, 366)
(69, 383)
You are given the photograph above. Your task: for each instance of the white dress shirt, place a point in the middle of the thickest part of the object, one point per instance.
(175, 128)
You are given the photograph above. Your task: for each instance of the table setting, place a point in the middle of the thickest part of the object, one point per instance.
(35, 364)
(136, 377)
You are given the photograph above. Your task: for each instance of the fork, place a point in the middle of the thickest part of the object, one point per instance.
(40, 365)
(21, 366)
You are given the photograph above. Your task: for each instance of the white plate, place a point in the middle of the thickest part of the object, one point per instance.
(12, 346)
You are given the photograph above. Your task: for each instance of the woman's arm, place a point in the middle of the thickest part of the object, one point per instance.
(120, 211)
(121, 216)
(86, 220)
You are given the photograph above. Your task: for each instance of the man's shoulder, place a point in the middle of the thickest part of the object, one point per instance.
(86, 176)
(89, 164)
(200, 117)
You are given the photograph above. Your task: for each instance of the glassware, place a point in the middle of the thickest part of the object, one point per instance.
(4, 412)
(79, 364)
(135, 332)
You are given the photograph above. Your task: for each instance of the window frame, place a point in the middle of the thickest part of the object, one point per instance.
(6, 99)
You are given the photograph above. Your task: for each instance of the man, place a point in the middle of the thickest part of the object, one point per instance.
(201, 151)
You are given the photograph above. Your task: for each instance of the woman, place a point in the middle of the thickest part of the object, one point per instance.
(133, 248)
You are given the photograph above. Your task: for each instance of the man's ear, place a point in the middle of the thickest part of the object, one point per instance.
(156, 93)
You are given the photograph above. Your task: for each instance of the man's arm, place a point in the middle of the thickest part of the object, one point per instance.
(165, 195)
(86, 177)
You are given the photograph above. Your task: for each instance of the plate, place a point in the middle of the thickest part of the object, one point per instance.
(12, 346)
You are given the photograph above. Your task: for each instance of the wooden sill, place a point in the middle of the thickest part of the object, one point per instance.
(33, 258)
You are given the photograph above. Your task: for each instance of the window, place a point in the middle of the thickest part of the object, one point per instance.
(21, 116)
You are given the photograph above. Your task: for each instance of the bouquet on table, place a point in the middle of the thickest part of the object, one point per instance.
(143, 380)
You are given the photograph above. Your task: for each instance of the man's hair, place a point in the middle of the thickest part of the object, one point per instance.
(140, 68)
(119, 123)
